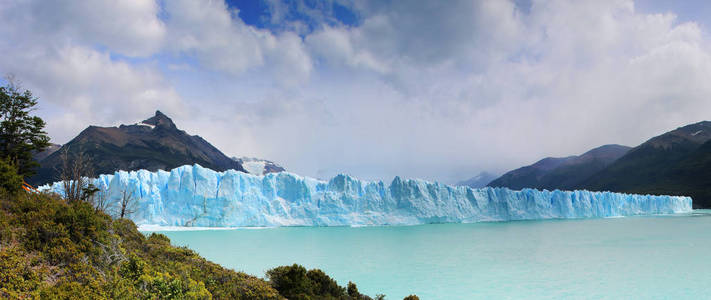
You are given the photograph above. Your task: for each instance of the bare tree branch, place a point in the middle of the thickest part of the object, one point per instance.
(75, 176)
(127, 205)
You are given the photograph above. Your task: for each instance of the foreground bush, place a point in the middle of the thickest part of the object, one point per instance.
(294, 282)
(51, 249)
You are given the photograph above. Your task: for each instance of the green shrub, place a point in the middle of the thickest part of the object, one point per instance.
(51, 249)
(353, 290)
(290, 281)
(10, 181)
(20, 273)
(322, 284)
(166, 286)
(71, 290)
(294, 282)
(133, 269)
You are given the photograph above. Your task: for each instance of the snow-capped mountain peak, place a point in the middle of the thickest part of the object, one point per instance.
(258, 166)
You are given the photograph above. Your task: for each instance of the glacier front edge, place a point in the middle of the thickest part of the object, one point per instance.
(197, 196)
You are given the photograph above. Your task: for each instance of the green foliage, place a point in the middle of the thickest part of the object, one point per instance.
(21, 134)
(20, 273)
(353, 290)
(133, 269)
(322, 284)
(88, 192)
(71, 290)
(165, 286)
(51, 249)
(10, 181)
(291, 281)
(411, 297)
(294, 282)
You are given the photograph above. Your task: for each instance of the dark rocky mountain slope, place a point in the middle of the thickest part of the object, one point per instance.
(561, 172)
(46, 152)
(155, 143)
(674, 163)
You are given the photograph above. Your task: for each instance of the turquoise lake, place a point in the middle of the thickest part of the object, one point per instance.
(659, 257)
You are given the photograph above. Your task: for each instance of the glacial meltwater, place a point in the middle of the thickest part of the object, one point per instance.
(653, 257)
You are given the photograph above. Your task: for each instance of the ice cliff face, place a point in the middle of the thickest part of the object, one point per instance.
(196, 196)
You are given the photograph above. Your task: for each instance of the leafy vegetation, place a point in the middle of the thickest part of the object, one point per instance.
(10, 181)
(294, 282)
(54, 249)
(21, 134)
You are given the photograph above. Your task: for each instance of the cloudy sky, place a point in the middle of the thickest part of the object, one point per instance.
(431, 89)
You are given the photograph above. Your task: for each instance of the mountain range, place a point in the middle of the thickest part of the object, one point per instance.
(478, 181)
(674, 163)
(152, 144)
(561, 172)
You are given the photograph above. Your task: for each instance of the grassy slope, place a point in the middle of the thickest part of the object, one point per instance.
(50, 249)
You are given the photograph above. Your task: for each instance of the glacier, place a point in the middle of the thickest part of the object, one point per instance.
(197, 196)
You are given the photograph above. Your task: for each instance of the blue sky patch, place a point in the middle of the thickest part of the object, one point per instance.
(309, 15)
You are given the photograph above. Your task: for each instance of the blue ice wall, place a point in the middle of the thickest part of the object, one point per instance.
(196, 196)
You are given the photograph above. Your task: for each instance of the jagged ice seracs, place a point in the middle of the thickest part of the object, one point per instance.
(197, 196)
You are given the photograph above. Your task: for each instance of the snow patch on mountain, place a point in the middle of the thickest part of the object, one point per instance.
(254, 167)
(258, 166)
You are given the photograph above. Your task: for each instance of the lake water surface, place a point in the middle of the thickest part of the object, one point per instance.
(660, 257)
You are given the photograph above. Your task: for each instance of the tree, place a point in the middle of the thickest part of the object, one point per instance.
(294, 282)
(290, 281)
(21, 134)
(100, 199)
(10, 181)
(75, 174)
(323, 285)
(353, 290)
(88, 193)
(127, 205)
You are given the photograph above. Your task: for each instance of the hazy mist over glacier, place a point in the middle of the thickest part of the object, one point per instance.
(439, 90)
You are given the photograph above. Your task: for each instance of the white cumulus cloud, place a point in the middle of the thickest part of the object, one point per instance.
(432, 89)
